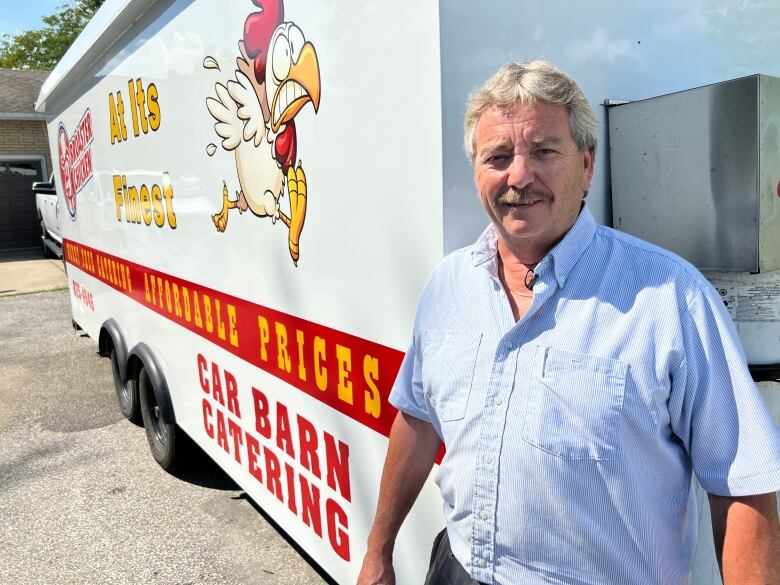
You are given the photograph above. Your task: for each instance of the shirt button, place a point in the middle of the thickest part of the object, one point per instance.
(484, 515)
(488, 458)
(499, 402)
(508, 345)
(481, 562)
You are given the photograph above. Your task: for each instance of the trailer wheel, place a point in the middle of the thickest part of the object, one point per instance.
(165, 439)
(126, 393)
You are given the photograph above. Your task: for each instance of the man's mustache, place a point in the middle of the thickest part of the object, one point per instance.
(515, 196)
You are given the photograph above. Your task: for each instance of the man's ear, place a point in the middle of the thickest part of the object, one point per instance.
(589, 159)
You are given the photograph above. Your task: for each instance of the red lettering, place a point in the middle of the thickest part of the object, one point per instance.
(206, 415)
(290, 473)
(307, 440)
(337, 529)
(262, 424)
(216, 384)
(202, 367)
(252, 451)
(283, 435)
(222, 432)
(238, 438)
(338, 466)
(232, 394)
(310, 505)
(272, 473)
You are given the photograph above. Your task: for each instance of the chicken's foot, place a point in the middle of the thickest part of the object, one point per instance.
(296, 187)
(220, 219)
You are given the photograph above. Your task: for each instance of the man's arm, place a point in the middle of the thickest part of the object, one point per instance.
(410, 455)
(747, 539)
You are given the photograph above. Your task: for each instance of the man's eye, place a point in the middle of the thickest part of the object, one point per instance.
(544, 151)
(495, 158)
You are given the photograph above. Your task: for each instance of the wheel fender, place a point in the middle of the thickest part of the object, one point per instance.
(145, 355)
(110, 331)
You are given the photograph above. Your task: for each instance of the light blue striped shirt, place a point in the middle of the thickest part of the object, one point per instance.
(571, 435)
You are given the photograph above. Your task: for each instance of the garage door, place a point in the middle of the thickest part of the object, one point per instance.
(19, 227)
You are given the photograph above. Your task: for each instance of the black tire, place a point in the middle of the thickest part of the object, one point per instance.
(126, 393)
(166, 441)
(47, 253)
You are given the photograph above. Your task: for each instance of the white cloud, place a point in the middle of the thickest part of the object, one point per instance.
(599, 47)
(691, 22)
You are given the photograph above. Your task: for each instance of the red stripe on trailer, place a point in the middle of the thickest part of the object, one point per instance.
(348, 373)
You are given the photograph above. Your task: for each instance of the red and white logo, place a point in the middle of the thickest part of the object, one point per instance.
(75, 160)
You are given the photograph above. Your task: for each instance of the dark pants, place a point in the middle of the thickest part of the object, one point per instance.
(445, 568)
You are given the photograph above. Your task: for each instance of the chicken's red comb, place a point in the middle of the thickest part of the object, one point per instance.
(258, 28)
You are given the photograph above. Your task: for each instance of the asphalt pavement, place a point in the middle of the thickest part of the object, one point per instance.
(82, 500)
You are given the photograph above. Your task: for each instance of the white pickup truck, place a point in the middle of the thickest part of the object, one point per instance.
(49, 217)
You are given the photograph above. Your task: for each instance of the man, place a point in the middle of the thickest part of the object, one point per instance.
(577, 376)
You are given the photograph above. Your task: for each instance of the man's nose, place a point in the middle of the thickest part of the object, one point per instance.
(520, 172)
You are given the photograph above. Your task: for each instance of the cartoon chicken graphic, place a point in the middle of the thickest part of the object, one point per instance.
(277, 74)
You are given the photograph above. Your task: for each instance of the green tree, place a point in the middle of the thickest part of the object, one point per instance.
(44, 47)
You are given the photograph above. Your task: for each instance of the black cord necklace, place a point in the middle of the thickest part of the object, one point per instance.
(530, 279)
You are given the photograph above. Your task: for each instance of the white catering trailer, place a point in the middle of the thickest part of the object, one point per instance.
(257, 190)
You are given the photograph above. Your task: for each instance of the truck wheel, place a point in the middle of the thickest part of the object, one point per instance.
(166, 441)
(47, 253)
(126, 393)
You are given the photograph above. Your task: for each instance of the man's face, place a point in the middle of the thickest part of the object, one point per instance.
(530, 175)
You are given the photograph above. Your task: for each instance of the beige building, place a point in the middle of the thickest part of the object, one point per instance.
(24, 157)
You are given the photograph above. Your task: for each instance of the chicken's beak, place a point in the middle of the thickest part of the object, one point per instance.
(301, 86)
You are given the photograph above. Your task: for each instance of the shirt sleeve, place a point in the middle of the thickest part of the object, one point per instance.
(716, 409)
(407, 393)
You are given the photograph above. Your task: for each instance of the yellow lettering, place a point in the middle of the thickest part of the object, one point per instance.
(186, 296)
(320, 371)
(301, 366)
(265, 336)
(168, 194)
(133, 106)
(147, 290)
(141, 99)
(207, 312)
(159, 212)
(146, 205)
(373, 404)
(154, 107)
(158, 292)
(220, 322)
(116, 131)
(132, 205)
(118, 197)
(196, 305)
(176, 303)
(282, 355)
(120, 107)
(344, 359)
(232, 323)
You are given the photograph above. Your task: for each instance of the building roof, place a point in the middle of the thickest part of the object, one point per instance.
(19, 90)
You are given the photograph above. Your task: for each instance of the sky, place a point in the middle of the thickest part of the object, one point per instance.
(20, 15)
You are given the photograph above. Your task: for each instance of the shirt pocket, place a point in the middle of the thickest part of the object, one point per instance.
(448, 362)
(575, 404)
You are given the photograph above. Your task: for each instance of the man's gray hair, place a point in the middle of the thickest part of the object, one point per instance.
(525, 83)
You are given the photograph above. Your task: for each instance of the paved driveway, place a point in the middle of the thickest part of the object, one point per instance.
(81, 499)
(26, 271)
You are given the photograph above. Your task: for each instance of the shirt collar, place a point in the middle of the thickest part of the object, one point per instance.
(563, 256)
